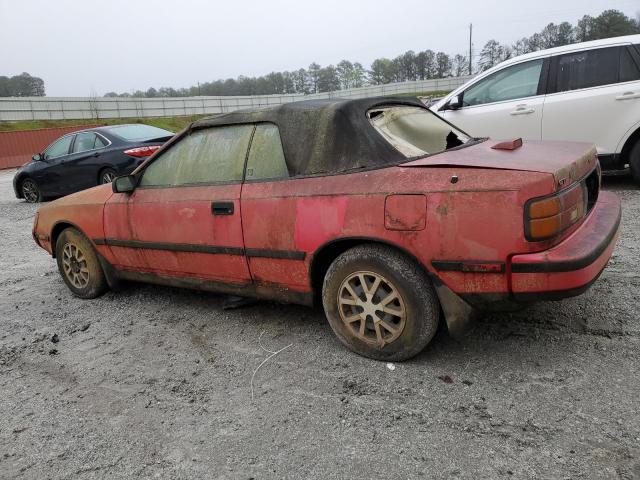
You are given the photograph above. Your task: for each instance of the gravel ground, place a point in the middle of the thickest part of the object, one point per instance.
(156, 382)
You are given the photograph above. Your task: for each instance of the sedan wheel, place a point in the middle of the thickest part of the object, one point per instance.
(107, 176)
(380, 303)
(372, 308)
(31, 191)
(79, 265)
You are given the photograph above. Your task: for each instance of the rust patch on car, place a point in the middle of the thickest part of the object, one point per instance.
(405, 212)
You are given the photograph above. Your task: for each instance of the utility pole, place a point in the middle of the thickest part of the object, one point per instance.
(470, 33)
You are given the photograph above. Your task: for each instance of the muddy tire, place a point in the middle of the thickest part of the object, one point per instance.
(30, 191)
(380, 303)
(634, 162)
(79, 265)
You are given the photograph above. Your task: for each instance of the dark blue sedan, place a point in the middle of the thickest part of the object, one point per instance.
(87, 158)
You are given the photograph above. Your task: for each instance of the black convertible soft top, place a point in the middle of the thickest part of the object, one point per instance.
(324, 136)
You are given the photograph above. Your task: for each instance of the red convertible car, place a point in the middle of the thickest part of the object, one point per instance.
(378, 209)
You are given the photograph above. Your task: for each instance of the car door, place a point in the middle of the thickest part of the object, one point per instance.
(53, 179)
(83, 163)
(269, 210)
(183, 219)
(594, 97)
(505, 104)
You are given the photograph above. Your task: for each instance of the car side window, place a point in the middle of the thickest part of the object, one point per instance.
(586, 69)
(266, 157)
(84, 141)
(510, 83)
(212, 155)
(59, 148)
(100, 142)
(629, 71)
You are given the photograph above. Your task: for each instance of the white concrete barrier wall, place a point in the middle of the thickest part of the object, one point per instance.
(86, 108)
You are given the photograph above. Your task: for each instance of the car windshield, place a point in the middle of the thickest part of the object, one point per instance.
(132, 133)
(415, 131)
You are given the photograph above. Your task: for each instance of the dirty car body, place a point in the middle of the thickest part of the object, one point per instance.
(305, 202)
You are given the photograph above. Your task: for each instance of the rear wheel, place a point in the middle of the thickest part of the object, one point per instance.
(634, 161)
(79, 265)
(31, 191)
(380, 303)
(107, 175)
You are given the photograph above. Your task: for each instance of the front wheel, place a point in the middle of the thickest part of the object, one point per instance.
(380, 303)
(31, 191)
(79, 265)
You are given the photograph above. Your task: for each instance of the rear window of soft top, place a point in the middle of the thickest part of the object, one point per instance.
(415, 131)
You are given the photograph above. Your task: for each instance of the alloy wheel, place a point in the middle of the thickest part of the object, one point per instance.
(108, 177)
(30, 191)
(372, 308)
(75, 266)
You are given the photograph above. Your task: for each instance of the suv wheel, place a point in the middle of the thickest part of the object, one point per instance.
(634, 161)
(380, 303)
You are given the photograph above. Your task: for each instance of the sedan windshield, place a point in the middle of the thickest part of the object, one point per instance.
(132, 133)
(415, 131)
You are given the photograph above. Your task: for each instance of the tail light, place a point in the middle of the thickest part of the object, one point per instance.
(547, 217)
(142, 151)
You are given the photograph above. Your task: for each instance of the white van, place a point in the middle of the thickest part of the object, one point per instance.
(582, 92)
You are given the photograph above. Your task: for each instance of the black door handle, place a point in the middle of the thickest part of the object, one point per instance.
(222, 208)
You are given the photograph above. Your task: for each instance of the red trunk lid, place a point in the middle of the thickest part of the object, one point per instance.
(566, 161)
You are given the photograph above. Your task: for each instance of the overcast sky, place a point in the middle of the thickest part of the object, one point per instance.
(80, 46)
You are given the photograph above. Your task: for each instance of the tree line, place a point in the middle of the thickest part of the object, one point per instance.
(610, 23)
(408, 66)
(23, 85)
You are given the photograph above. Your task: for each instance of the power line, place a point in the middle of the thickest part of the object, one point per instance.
(470, 46)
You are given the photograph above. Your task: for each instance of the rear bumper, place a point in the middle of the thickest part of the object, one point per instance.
(570, 267)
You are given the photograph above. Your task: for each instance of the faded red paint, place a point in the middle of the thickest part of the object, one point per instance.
(317, 218)
(564, 160)
(17, 147)
(178, 216)
(477, 218)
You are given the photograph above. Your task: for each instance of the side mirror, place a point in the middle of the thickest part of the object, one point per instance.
(454, 103)
(37, 157)
(126, 184)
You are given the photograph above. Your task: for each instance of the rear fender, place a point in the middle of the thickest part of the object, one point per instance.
(458, 314)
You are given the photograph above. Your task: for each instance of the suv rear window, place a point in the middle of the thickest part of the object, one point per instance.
(628, 69)
(589, 68)
(415, 131)
(132, 133)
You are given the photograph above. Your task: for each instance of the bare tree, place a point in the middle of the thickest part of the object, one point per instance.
(94, 110)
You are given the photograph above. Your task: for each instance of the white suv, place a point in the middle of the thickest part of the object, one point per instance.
(583, 92)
